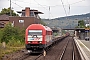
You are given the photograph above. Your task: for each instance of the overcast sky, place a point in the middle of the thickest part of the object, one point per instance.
(56, 7)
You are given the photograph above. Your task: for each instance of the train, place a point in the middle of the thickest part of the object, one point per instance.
(38, 38)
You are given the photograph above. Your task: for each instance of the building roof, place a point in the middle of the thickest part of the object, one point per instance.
(4, 17)
(35, 11)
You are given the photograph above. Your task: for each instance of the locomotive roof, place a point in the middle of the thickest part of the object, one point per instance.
(39, 26)
(47, 28)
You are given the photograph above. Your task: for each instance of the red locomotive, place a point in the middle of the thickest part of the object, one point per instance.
(38, 38)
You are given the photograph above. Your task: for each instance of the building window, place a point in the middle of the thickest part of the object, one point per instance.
(32, 14)
(21, 21)
(23, 13)
(2, 25)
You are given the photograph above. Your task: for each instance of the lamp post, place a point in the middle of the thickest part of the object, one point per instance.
(79, 33)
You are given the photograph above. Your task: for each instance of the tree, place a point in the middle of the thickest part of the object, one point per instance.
(7, 12)
(12, 33)
(42, 22)
(81, 24)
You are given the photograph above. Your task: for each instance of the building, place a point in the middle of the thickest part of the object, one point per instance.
(28, 16)
(4, 19)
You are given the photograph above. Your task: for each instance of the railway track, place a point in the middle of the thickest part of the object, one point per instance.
(56, 51)
(63, 50)
(68, 51)
(33, 57)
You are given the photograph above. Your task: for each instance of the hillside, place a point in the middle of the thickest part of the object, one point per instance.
(74, 17)
(66, 22)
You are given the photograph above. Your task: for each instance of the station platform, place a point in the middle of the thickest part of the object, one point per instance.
(83, 48)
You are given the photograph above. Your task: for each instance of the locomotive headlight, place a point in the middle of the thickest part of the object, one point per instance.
(40, 42)
(29, 42)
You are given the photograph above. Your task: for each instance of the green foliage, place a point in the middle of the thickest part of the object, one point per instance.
(7, 12)
(10, 34)
(81, 24)
(88, 27)
(63, 31)
(14, 38)
(55, 34)
(14, 42)
(42, 22)
(0, 34)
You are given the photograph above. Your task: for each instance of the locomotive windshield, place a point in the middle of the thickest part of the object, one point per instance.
(35, 32)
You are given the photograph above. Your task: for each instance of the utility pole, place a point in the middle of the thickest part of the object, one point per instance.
(10, 9)
(49, 12)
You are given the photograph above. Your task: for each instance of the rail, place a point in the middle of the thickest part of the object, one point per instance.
(64, 51)
(82, 53)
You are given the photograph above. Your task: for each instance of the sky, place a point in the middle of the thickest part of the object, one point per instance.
(50, 8)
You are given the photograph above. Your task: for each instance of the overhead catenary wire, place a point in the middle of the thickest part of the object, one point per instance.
(16, 4)
(45, 8)
(35, 1)
(51, 5)
(68, 12)
(46, 5)
(64, 4)
(63, 7)
(25, 1)
(10, 9)
(77, 2)
(69, 7)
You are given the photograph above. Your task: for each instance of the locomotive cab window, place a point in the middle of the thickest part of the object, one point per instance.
(35, 32)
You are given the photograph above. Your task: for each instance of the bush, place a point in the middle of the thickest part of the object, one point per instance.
(14, 43)
(12, 34)
(55, 34)
(0, 34)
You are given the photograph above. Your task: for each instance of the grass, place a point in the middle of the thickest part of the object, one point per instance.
(9, 49)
